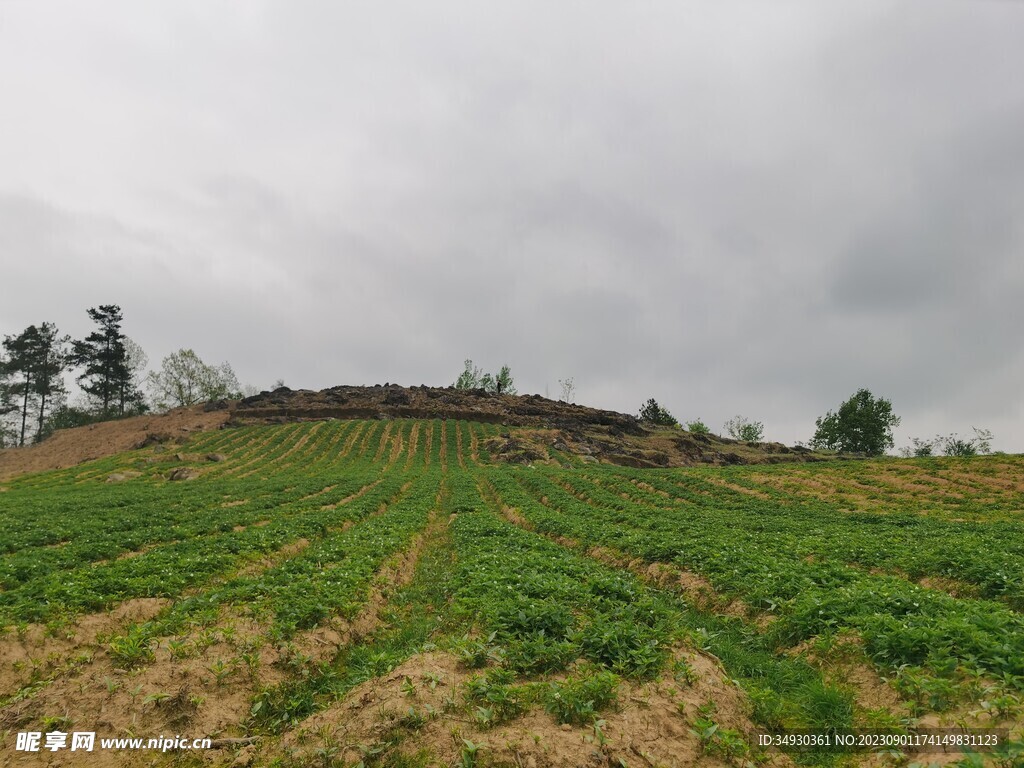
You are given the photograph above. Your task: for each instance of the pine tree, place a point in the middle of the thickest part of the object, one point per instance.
(51, 360)
(20, 371)
(38, 359)
(107, 374)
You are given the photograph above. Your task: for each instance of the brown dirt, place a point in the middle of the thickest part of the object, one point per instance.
(383, 441)
(34, 646)
(414, 437)
(649, 726)
(70, 447)
(474, 445)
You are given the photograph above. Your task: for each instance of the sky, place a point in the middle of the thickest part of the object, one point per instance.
(733, 207)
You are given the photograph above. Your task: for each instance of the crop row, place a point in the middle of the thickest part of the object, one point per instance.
(988, 555)
(901, 623)
(542, 606)
(167, 570)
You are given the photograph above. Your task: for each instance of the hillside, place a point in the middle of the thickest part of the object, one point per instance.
(391, 591)
(566, 428)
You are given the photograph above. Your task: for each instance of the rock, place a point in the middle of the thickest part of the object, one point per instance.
(153, 438)
(216, 405)
(216, 457)
(396, 397)
(182, 473)
(120, 477)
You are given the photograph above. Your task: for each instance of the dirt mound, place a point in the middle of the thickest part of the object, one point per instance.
(551, 427)
(69, 447)
(394, 401)
(421, 707)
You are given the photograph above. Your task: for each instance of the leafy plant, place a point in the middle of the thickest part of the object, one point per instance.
(741, 428)
(698, 427)
(578, 700)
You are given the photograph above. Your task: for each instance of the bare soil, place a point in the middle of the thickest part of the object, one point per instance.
(70, 447)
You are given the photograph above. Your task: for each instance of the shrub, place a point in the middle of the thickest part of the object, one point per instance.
(652, 413)
(954, 445)
(697, 427)
(741, 428)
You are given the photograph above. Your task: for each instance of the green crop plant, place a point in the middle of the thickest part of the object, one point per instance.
(602, 573)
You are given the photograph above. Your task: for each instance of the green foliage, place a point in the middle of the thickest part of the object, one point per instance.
(108, 376)
(474, 378)
(698, 427)
(520, 600)
(31, 378)
(741, 428)
(954, 445)
(951, 445)
(861, 425)
(495, 697)
(184, 379)
(652, 413)
(577, 700)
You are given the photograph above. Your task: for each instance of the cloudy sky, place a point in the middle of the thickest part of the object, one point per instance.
(734, 207)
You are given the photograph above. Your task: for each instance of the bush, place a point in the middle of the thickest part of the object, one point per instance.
(954, 445)
(652, 413)
(500, 383)
(951, 445)
(740, 428)
(697, 427)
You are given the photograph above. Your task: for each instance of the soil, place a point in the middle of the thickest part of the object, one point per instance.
(650, 725)
(70, 447)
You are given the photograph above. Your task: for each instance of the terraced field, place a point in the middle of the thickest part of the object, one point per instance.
(339, 593)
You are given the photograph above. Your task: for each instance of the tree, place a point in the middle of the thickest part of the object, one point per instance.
(741, 428)
(861, 425)
(8, 405)
(107, 375)
(652, 413)
(184, 379)
(474, 378)
(568, 389)
(130, 392)
(504, 385)
(38, 359)
(469, 378)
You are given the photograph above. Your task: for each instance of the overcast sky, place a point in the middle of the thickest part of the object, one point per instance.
(751, 208)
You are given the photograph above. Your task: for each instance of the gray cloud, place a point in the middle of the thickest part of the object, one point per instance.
(734, 208)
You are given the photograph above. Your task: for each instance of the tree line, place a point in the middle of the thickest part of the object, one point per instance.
(861, 424)
(110, 372)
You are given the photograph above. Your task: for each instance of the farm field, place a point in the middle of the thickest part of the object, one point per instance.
(381, 593)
